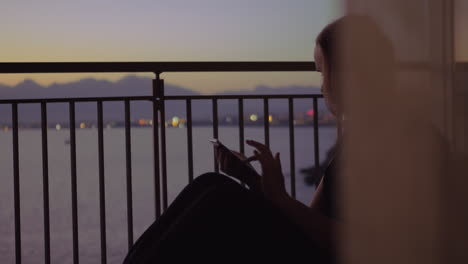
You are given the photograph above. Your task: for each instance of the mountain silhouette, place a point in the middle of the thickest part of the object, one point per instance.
(136, 86)
(128, 86)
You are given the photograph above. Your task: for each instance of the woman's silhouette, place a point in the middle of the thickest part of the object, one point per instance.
(216, 219)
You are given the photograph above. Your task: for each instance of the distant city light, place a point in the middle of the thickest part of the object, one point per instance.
(228, 119)
(310, 112)
(175, 121)
(181, 125)
(58, 127)
(5, 129)
(270, 118)
(145, 122)
(82, 125)
(253, 117)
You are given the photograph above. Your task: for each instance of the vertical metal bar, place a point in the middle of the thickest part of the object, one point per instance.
(189, 139)
(241, 125)
(45, 182)
(128, 159)
(266, 122)
(162, 112)
(215, 128)
(102, 190)
(291, 147)
(316, 136)
(73, 182)
(16, 183)
(157, 187)
(241, 128)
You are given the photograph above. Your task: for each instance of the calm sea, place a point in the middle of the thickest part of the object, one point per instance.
(88, 192)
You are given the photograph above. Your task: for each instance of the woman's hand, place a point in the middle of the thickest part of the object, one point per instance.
(229, 161)
(273, 185)
(236, 165)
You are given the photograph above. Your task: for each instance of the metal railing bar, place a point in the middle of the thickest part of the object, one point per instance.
(266, 122)
(128, 161)
(45, 182)
(162, 112)
(207, 66)
(292, 147)
(241, 126)
(77, 99)
(123, 67)
(249, 96)
(240, 113)
(316, 136)
(74, 182)
(16, 183)
(102, 191)
(157, 183)
(188, 108)
(215, 128)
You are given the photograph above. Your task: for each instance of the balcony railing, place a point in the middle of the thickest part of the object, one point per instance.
(158, 100)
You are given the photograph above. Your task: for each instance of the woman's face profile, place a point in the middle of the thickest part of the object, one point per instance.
(322, 67)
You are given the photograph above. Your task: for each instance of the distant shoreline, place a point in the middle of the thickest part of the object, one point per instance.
(8, 128)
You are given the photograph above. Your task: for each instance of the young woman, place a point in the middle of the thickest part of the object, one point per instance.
(216, 219)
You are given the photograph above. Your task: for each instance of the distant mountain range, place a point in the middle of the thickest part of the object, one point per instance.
(137, 86)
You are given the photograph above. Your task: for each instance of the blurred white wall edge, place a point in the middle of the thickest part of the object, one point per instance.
(403, 192)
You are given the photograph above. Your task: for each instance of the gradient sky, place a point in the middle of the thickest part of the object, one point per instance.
(176, 30)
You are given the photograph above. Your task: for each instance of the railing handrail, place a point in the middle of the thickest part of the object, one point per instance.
(181, 66)
(156, 67)
(151, 98)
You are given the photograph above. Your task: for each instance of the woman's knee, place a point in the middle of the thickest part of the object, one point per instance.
(213, 178)
(201, 184)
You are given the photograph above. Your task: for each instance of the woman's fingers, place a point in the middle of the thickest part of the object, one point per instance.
(239, 155)
(262, 148)
(254, 157)
(270, 163)
(258, 155)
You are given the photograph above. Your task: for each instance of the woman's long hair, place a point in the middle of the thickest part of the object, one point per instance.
(360, 61)
(355, 49)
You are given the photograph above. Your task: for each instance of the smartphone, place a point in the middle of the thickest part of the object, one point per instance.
(218, 144)
(249, 175)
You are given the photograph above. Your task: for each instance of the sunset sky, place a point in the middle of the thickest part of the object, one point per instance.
(176, 30)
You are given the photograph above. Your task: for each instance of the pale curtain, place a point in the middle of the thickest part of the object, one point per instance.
(404, 163)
